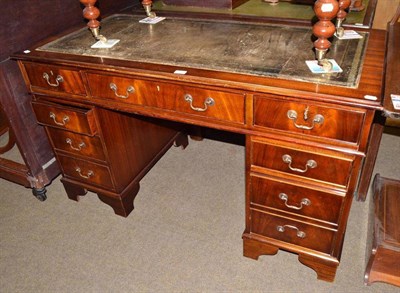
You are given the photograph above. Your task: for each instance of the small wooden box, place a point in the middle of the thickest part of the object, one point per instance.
(229, 4)
(384, 259)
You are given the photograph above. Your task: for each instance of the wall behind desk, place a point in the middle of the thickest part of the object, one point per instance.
(25, 22)
(384, 12)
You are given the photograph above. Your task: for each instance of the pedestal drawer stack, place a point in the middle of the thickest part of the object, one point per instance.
(299, 191)
(99, 150)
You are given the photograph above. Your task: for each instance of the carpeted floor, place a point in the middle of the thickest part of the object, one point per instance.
(183, 236)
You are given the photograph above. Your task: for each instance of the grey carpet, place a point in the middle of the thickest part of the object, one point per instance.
(183, 236)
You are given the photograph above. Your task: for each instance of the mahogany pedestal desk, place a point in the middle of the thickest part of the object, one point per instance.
(111, 113)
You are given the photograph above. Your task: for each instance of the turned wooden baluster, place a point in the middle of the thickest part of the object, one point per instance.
(325, 10)
(356, 5)
(341, 16)
(147, 7)
(91, 13)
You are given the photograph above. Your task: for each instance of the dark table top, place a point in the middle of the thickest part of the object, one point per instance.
(251, 48)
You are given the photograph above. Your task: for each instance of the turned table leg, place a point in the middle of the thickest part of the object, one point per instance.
(325, 10)
(91, 13)
(341, 16)
(147, 7)
(356, 5)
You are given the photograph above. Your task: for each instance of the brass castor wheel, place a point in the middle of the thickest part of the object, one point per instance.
(40, 193)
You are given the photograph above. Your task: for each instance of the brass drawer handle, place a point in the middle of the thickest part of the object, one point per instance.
(129, 90)
(80, 146)
(299, 233)
(303, 202)
(207, 102)
(288, 160)
(318, 119)
(89, 174)
(62, 123)
(59, 79)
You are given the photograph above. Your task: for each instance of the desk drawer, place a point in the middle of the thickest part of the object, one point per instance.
(292, 231)
(219, 105)
(54, 78)
(74, 119)
(296, 199)
(308, 163)
(77, 144)
(87, 172)
(310, 119)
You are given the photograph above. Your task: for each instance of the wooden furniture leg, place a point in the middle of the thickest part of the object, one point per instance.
(91, 13)
(325, 10)
(357, 5)
(147, 7)
(253, 249)
(121, 203)
(73, 191)
(341, 16)
(325, 269)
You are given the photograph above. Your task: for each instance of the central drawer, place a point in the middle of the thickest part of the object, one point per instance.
(221, 105)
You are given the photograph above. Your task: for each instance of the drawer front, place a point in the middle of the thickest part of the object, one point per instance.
(292, 232)
(74, 119)
(87, 172)
(310, 119)
(77, 144)
(296, 199)
(55, 78)
(184, 99)
(299, 162)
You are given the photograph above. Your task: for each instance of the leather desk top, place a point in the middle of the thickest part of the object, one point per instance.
(249, 48)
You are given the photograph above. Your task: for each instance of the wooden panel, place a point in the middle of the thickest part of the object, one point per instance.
(78, 120)
(333, 122)
(268, 225)
(321, 205)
